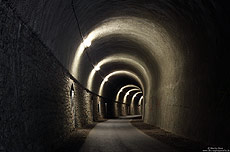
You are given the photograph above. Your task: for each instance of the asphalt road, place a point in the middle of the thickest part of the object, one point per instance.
(118, 135)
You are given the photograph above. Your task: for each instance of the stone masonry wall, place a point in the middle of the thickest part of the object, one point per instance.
(99, 108)
(37, 110)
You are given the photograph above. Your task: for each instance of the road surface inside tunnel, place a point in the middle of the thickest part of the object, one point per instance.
(118, 135)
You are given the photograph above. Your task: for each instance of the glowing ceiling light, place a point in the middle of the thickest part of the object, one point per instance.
(87, 42)
(106, 79)
(97, 68)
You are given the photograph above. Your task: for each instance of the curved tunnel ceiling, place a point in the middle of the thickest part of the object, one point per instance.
(140, 100)
(122, 89)
(165, 47)
(140, 37)
(115, 73)
(136, 96)
(141, 32)
(128, 94)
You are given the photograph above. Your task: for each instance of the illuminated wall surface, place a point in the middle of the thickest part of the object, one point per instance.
(165, 59)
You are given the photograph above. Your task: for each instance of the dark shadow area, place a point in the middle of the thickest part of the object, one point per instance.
(75, 141)
(181, 144)
(139, 117)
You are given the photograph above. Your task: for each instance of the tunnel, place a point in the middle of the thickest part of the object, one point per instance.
(65, 64)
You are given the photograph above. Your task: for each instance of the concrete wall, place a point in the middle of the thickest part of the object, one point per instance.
(192, 105)
(36, 109)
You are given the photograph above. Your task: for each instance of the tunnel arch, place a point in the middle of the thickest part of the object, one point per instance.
(114, 60)
(141, 100)
(134, 107)
(134, 96)
(93, 35)
(128, 93)
(163, 51)
(112, 51)
(121, 89)
(117, 73)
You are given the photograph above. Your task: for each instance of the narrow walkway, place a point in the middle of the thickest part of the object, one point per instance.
(118, 135)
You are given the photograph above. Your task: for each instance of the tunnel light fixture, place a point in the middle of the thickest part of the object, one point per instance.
(97, 68)
(87, 42)
(72, 91)
(106, 79)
